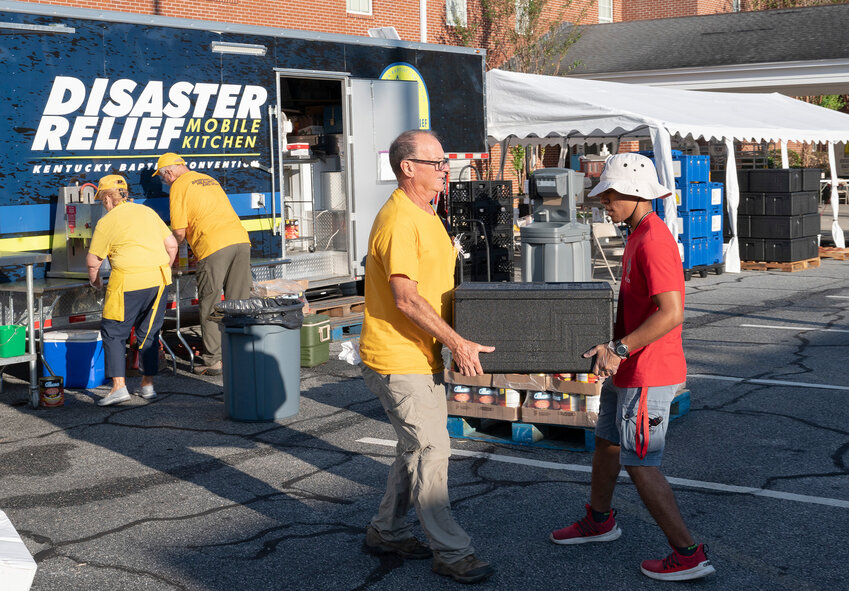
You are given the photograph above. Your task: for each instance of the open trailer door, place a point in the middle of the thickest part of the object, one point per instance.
(380, 110)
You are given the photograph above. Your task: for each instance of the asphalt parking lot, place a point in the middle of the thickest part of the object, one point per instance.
(170, 494)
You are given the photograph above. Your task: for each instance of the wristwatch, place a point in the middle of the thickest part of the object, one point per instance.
(619, 349)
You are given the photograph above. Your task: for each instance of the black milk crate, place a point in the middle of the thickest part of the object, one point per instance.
(788, 251)
(496, 212)
(535, 327)
(493, 190)
(783, 227)
(502, 237)
(798, 203)
(784, 180)
(460, 191)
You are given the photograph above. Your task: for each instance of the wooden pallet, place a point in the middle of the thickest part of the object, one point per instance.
(339, 307)
(344, 328)
(560, 437)
(831, 252)
(786, 267)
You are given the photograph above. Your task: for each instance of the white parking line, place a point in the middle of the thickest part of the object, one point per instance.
(767, 382)
(839, 297)
(797, 328)
(744, 490)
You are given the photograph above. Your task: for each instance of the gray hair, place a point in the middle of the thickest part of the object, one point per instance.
(404, 147)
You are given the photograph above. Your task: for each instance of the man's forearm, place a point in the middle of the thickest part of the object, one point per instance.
(422, 314)
(654, 327)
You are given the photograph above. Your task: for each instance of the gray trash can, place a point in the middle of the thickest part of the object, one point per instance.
(261, 354)
(556, 252)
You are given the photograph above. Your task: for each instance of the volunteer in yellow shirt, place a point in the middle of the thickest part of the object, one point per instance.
(202, 214)
(140, 249)
(409, 284)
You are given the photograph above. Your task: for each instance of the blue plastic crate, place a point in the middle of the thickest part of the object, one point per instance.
(714, 249)
(694, 169)
(716, 194)
(715, 221)
(689, 169)
(693, 224)
(695, 252)
(692, 196)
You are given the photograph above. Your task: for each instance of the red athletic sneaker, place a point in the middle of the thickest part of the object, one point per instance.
(677, 567)
(588, 530)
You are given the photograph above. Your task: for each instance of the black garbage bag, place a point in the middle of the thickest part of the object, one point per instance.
(281, 311)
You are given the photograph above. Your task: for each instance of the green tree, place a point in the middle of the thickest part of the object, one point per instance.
(521, 35)
(772, 4)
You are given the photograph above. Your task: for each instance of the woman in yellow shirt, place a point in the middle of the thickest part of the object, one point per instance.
(141, 250)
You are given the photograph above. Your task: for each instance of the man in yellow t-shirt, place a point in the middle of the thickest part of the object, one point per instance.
(408, 286)
(141, 250)
(202, 214)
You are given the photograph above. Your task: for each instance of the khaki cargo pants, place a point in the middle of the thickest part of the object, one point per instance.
(416, 407)
(226, 271)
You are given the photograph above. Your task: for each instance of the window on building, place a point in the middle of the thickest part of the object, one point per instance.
(605, 11)
(735, 5)
(522, 16)
(358, 6)
(455, 13)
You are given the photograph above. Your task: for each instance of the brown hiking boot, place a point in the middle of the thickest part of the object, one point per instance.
(410, 548)
(215, 369)
(470, 569)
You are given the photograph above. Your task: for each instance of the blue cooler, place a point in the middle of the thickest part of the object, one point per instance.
(77, 356)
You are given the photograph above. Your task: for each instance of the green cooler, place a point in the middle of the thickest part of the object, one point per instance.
(315, 340)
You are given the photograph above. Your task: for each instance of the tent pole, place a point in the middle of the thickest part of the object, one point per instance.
(732, 200)
(662, 146)
(785, 159)
(505, 145)
(836, 231)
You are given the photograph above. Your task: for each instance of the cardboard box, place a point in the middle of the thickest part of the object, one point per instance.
(573, 387)
(483, 411)
(520, 381)
(559, 417)
(516, 381)
(455, 377)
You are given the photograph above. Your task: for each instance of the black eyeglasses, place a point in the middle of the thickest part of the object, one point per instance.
(437, 164)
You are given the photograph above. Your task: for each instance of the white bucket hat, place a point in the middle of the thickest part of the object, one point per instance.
(630, 174)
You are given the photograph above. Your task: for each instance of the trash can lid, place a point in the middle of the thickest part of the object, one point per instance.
(72, 335)
(545, 232)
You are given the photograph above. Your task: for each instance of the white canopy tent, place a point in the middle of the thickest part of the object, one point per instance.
(530, 109)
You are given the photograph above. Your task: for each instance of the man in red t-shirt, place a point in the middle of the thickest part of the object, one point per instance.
(646, 362)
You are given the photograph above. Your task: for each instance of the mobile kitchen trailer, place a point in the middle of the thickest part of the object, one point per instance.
(294, 124)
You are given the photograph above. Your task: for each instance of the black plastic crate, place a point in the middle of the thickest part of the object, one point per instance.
(751, 249)
(460, 191)
(797, 203)
(783, 227)
(811, 179)
(535, 327)
(744, 226)
(775, 180)
(480, 190)
(493, 212)
(742, 180)
(788, 251)
(502, 237)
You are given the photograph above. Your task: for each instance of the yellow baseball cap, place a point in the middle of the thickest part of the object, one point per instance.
(167, 159)
(112, 181)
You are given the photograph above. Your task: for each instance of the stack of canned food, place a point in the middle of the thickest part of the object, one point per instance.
(483, 395)
(540, 399)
